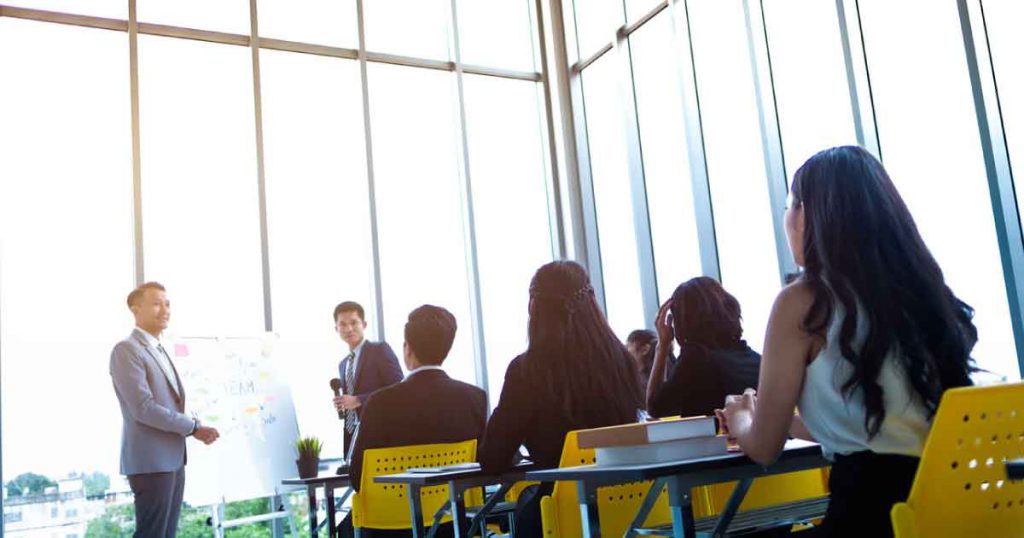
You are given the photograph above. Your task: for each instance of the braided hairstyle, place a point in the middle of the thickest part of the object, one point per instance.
(574, 357)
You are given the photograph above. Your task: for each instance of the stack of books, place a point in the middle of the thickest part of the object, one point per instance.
(654, 442)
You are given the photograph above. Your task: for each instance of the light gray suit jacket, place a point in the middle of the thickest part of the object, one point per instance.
(155, 425)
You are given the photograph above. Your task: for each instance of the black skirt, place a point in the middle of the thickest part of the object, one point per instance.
(863, 488)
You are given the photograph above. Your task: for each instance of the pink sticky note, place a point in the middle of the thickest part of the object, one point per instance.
(180, 350)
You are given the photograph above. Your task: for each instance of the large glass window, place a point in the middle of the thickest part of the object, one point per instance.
(638, 8)
(65, 245)
(223, 15)
(319, 221)
(613, 196)
(666, 165)
(416, 167)
(199, 184)
(932, 150)
(416, 28)
(814, 111)
(1002, 18)
(506, 159)
(596, 21)
(114, 9)
(735, 160)
(323, 22)
(66, 200)
(497, 34)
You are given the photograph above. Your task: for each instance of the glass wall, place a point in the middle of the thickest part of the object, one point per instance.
(929, 138)
(318, 217)
(508, 167)
(918, 102)
(666, 167)
(814, 111)
(200, 212)
(735, 160)
(65, 245)
(602, 90)
(1002, 19)
(269, 189)
(423, 252)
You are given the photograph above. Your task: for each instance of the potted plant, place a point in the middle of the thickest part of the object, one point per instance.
(309, 456)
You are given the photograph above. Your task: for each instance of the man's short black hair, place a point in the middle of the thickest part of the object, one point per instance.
(139, 290)
(349, 306)
(430, 332)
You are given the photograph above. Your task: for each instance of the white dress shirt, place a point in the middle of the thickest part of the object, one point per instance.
(162, 359)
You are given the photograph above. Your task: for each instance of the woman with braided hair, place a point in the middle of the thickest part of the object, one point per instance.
(575, 374)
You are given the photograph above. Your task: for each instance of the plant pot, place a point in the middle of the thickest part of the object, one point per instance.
(308, 468)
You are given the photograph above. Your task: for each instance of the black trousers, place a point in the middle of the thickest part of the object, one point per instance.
(864, 486)
(157, 502)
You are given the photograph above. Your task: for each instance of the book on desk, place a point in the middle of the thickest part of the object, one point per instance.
(655, 441)
(467, 466)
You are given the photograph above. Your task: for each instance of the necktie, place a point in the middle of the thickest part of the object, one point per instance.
(350, 379)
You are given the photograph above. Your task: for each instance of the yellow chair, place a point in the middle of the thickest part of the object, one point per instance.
(617, 505)
(768, 491)
(961, 488)
(386, 506)
(517, 489)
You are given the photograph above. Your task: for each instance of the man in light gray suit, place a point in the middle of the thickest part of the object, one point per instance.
(152, 402)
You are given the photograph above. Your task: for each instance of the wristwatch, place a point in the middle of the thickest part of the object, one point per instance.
(195, 426)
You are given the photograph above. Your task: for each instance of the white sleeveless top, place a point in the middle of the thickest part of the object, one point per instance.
(837, 423)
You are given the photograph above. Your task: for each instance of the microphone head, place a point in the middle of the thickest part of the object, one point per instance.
(335, 384)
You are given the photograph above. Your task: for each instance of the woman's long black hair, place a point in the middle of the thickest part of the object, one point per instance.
(861, 246)
(574, 356)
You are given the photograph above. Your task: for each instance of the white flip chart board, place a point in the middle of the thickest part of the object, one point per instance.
(234, 385)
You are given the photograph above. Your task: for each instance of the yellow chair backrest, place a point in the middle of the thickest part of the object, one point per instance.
(961, 488)
(386, 506)
(617, 505)
(517, 489)
(765, 491)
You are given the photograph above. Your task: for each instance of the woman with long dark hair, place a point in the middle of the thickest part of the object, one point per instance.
(575, 374)
(864, 342)
(714, 360)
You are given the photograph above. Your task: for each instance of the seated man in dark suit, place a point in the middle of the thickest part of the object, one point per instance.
(428, 406)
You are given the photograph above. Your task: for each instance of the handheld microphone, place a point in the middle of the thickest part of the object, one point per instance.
(336, 387)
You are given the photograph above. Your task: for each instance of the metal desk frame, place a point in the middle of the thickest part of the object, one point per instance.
(458, 483)
(329, 482)
(680, 477)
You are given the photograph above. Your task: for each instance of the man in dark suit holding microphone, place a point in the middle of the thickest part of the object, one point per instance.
(368, 367)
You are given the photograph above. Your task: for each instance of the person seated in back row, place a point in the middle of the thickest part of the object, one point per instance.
(575, 374)
(641, 345)
(427, 407)
(714, 360)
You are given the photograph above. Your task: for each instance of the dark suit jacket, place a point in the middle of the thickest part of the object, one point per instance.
(703, 377)
(524, 417)
(428, 407)
(376, 368)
